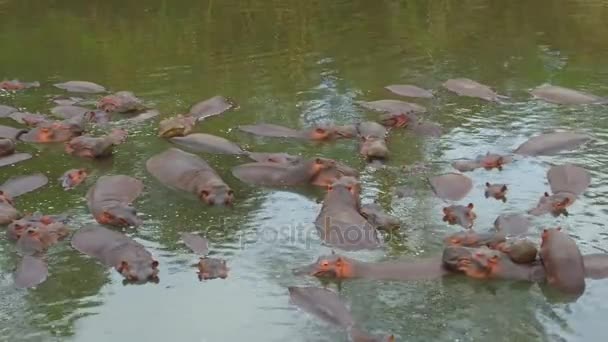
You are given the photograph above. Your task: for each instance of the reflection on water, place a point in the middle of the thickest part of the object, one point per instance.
(297, 63)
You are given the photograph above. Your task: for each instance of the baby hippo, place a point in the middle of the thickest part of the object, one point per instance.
(177, 126)
(120, 102)
(95, 147)
(497, 191)
(459, 214)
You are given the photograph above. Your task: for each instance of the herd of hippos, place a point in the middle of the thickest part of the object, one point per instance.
(343, 222)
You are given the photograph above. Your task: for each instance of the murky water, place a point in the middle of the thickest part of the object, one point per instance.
(297, 63)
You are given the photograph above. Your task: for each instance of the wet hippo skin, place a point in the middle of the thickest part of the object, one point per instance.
(110, 199)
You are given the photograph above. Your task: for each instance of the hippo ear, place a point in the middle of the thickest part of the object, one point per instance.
(446, 210)
(559, 229)
(154, 264)
(504, 188)
(488, 184)
(318, 161)
(123, 266)
(470, 206)
(500, 160)
(330, 187)
(493, 259)
(204, 194)
(339, 261)
(333, 252)
(546, 194)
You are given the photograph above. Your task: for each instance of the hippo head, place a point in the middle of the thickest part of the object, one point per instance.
(452, 255)
(346, 131)
(546, 234)
(45, 134)
(329, 266)
(555, 204)
(11, 85)
(108, 103)
(497, 191)
(176, 127)
(481, 264)
(374, 148)
(218, 194)
(73, 178)
(119, 215)
(398, 120)
(211, 268)
(6, 198)
(351, 184)
(458, 214)
(465, 238)
(7, 146)
(17, 228)
(320, 164)
(139, 271)
(491, 161)
(31, 240)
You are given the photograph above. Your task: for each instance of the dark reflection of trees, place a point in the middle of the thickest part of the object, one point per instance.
(263, 54)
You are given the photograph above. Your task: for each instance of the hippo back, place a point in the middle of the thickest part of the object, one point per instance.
(180, 170)
(563, 262)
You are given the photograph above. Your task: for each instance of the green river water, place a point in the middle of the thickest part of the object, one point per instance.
(298, 63)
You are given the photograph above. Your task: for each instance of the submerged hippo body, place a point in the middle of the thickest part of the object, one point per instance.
(408, 90)
(212, 268)
(373, 144)
(211, 107)
(520, 251)
(54, 131)
(563, 262)
(29, 119)
(381, 220)
(39, 237)
(110, 199)
(471, 238)
(196, 243)
(392, 106)
(19, 185)
(568, 178)
(336, 266)
(8, 212)
(555, 204)
(451, 186)
(281, 158)
(276, 174)
(177, 126)
(187, 172)
(51, 224)
(81, 87)
(340, 224)
(491, 264)
(470, 88)
(564, 96)
(32, 271)
(552, 143)
(488, 161)
(8, 132)
(121, 102)
(201, 142)
(114, 249)
(512, 224)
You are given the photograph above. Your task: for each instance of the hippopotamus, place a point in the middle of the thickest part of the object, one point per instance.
(411, 121)
(72, 178)
(471, 238)
(451, 186)
(398, 119)
(498, 191)
(110, 199)
(409, 90)
(32, 271)
(54, 224)
(211, 268)
(491, 264)
(176, 126)
(487, 161)
(187, 172)
(281, 158)
(337, 266)
(121, 102)
(375, 215)
(86, 146)
(392, 106)
(520, 251)
(470, 88)
(327, 305)
(113, 249)
(565, 96)
(555, 204)
(28, 119)
(8, 212)
(512, 224)
(54, 131)
(14, 85)
(276, 174)
(7, 146)
(201, 142)
(563, 262)
(340, 224)
(552, 143)
(19, 185)
(373, 144)
(81, 87)
(39, 237)
(211, 107)
(8, 132)
(459, 214)
(6, 110)
(318, 133)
